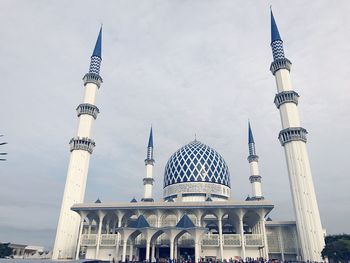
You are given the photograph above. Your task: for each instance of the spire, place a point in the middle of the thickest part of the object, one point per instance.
(250, 134)
(275, 35)
(251, 143)
(98, 47)
(150, 140)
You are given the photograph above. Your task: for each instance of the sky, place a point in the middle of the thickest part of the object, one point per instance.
(186, 67)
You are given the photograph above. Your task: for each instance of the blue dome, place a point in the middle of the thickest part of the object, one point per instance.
(196, 162)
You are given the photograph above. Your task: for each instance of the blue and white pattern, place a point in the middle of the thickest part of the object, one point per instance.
(95, 65)
(196, 162)
(277, 49)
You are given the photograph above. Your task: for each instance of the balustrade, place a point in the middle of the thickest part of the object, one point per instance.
(232, 240)
(254, 240)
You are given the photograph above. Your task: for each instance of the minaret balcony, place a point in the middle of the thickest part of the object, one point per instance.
(86, 108)
(292, 134)
(253, 158)
(92, 78)
(286, 96)
(282, 63)
(149, 161)
(148, 180)
(255, 178)
(84, 144)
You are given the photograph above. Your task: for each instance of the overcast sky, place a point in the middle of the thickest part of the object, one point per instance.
(186, 67)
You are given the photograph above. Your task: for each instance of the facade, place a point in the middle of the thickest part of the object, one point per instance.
(196, 216)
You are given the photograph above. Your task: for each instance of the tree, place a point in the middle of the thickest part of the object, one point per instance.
(337, 248)
(5, 250)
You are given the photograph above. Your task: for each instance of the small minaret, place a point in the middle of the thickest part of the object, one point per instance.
(149, 162)
(293, 138)
(81, 147)
(255, 178)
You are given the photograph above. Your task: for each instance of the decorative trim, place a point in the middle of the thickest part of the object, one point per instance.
(149, 161)
(256, 198)
(255, 178)
(286, 96)
(292, 134)
(282, 63)
(85, 144)
(253, 158)
(147, 200)
(148, 180)
(86, 108)
(92, 78)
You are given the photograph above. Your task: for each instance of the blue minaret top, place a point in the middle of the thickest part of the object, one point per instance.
(150, 140)
(276, 41)
(96, 57)
(98, 47)
(275, 35)
(149, 159)
(251, 143)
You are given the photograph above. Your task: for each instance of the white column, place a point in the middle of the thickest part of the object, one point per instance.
(82, 218)
(124, 249)
(171, 249)
(101, 215)
(266, 248)
(280, 239)
(197, 251)
(175, 249)
(148, 245)
(118, 238)
(220, 238)
(241, 231)
(131, 250)
(153, 251)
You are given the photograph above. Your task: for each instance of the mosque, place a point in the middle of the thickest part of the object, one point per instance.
(197, 218)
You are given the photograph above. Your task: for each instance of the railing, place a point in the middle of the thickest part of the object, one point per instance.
(210, 240)
(232, 240)
(108, 239)
(254, 240)
(88, 240)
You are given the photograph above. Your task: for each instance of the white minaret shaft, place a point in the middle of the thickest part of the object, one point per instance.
(293, 139)
(81, 147)
(148, 180)
(255, 178)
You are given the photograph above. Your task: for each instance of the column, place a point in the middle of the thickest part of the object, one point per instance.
(280, 239)
(118, 239)
(266, 249)
(220, 238)
(241, 231)
(148, 245)
(101, 215)
(124, 249)
(196, 250)
(82, 218)
(153, 251)
(171, 249)
(175, 249)
(131, 250)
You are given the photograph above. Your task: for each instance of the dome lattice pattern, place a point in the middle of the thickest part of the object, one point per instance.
(196, 162)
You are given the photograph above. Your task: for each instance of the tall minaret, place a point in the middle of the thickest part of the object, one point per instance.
(255, 178)
(81, 147)
(293, 139)
(149, 162)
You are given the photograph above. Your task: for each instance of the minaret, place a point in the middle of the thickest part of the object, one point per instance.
(255, 178)
(81, 147)
(149, 162)
(293, 139)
